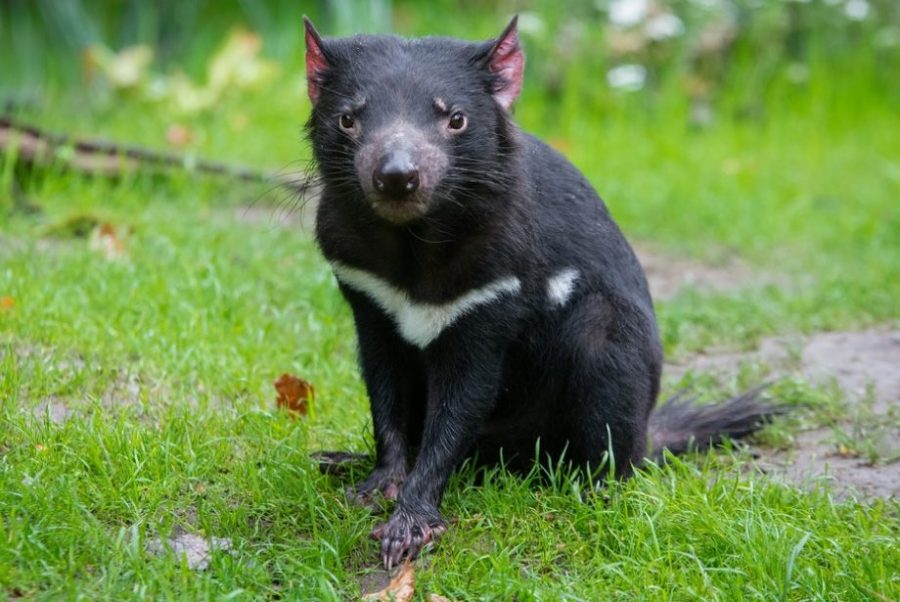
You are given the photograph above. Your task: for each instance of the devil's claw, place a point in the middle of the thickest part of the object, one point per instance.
(404, 535)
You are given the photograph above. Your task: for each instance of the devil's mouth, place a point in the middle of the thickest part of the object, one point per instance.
(399, 211)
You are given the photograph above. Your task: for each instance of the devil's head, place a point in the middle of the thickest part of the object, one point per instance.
(411, 127)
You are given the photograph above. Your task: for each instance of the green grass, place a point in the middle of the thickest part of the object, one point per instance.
(164, 361)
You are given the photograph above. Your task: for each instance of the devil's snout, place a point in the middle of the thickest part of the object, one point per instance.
(396, 175)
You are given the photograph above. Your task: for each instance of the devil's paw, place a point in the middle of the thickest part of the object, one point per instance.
(405, 534)
(385, 482)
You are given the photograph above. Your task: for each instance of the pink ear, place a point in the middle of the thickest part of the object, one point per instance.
(507, 60)
(316, 63)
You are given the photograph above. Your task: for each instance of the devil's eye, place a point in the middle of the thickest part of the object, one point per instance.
(457, 121)
(347, 121)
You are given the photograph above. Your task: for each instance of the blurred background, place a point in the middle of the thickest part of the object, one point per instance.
(767, 130)
(691, 63)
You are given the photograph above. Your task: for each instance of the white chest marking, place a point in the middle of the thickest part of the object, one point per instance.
(420, 323)
(560, 286)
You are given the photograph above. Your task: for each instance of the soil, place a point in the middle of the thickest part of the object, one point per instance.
(196, 550)
(866, 366)
(57, 411)
(668, 275)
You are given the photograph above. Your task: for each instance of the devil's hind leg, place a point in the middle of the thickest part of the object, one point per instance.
(613, 360)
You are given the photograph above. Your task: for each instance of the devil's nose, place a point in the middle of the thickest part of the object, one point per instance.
(396, 175)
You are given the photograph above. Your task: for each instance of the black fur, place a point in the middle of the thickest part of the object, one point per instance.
(581, 378)
(680, 425)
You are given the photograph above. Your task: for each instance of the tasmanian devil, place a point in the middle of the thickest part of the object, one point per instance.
(498, 308)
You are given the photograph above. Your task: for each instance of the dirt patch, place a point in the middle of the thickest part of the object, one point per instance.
(374, 580)
(194, 549)
(54, 409)
(97, 389)
(816, 460)
(126, 389)
(865, 366)
(668, 275)
(856, 361)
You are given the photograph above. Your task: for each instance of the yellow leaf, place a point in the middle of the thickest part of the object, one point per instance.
(109, 240)
(400, 589)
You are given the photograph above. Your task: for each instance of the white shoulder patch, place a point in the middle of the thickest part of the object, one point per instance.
(561, 285)
(420, 323)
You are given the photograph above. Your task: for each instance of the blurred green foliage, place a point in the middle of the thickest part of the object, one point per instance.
(735, 53)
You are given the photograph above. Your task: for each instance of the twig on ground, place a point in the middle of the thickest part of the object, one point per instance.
(111, 159)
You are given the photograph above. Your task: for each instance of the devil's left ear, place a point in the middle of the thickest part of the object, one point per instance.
(316, 63)
(507, 61)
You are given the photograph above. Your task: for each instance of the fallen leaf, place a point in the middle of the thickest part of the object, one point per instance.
(437, 598)
(400, 589)
(7, 302)
(108, 240)
(294, 394)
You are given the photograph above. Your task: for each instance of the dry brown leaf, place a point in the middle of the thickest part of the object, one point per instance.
(7, 302)
(294, 394)
(108, 240)
(437, 598)
(400, 589)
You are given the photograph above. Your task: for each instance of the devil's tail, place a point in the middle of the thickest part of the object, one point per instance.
(680, 425)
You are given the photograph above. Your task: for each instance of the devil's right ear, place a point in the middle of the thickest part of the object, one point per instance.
(316, 63)
(507, 61)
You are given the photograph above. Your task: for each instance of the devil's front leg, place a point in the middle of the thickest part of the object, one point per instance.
(391, 370)
(463, 378)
